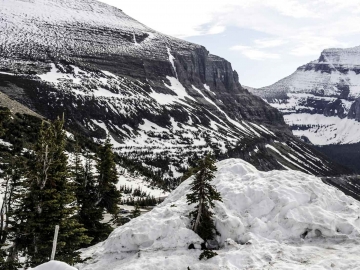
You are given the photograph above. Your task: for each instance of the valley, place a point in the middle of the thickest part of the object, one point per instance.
(149, 153)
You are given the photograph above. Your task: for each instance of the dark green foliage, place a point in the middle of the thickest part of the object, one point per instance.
(190, 172)
(50, 201)
(207, 254)
(134, 166)
(203, 194)
(21, 131)
(136, 212)
(108, 196)
(11, 222)
(139, 193)
(147, 201)
(6, 265)
(193, 163)
(126, 190)
(89, 214)
(4, 116)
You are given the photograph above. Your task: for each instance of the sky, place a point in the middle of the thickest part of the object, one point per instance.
(264, 40)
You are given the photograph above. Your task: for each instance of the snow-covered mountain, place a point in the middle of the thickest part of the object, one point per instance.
(320, 100)
(277, 219)
(162, 100)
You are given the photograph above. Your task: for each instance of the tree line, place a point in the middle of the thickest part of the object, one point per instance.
(42, 190)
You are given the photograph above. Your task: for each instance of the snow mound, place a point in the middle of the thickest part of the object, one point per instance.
(54, 265)
(262, 213)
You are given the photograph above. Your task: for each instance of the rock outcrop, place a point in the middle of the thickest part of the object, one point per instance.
(320, 102)
(320, 99)
(162, 100)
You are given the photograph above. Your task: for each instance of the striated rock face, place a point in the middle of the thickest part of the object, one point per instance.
(320, 100)
(162, 100)
(354, 112)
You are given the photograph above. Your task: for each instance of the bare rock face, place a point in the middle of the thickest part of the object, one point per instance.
(354, 112)
(161, 99)
(320, 102)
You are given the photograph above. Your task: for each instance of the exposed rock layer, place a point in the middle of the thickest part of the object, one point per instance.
(161, 99)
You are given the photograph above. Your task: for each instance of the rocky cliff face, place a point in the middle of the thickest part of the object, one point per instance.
(320, 100)
(160, 99)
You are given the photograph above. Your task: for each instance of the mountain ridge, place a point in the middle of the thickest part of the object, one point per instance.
(162, 100)
(320, 102)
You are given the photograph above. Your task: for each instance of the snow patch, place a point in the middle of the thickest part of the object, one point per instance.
(6, 144)
(55, 75)
(171, 60)
(324, 130)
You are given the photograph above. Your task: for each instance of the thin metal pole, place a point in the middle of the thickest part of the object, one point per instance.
(54, 242)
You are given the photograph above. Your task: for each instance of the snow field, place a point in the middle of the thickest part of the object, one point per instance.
(312, 84)
(54, 265)
(262, 221)
(125, 178)
(324, 130)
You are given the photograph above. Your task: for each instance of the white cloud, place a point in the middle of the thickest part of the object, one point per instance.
(307, 44)
(269, 43)
(254, 53)
(295, 30)
(279, 18)
(216, 29)
(177, 18)
(293, 8)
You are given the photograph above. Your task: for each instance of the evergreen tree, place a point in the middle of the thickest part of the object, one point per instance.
(11, 222)
(50, 201)
(4, 116)
(108, 195)
(203, 194)
(136, 211)
(89, 214)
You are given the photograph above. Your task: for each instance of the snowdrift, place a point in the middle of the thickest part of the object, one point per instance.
(54, 265)
(282, 219)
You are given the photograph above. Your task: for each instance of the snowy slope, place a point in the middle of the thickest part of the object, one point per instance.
(126, 178)
(162, 101)
(54, 265)
(318, 99)
(324, 130)
(277, 219)
(48, 23)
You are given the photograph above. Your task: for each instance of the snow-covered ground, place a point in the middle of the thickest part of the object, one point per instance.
(54, 265)
(133, 180)
(318, 97)
(267, 220)
(324, 130)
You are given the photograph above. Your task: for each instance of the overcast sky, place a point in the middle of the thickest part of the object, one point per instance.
(264, 40)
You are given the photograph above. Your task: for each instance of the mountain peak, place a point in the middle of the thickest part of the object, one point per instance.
(161, 99)
(320, 101)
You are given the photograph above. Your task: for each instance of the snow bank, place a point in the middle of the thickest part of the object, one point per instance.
(265, 218)
(54, 265)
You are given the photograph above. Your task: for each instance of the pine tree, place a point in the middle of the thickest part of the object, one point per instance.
(108, 195)
(136, 211)
(11, 222)
(89, 214)
(4, 116)
(50, 201)
(203, 194)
